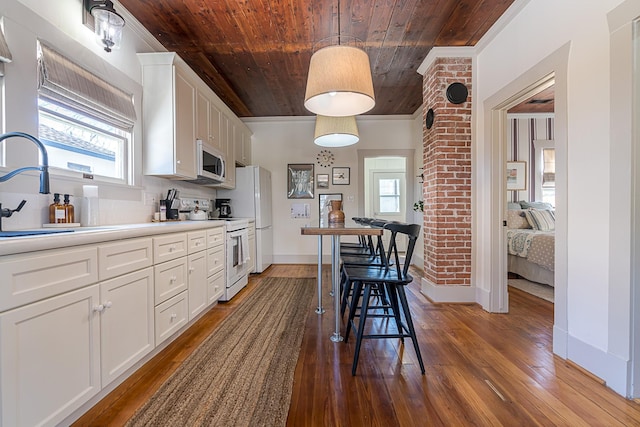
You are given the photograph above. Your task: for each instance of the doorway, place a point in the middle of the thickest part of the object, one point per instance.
(491, 201)
(531, 147)
(385, 185)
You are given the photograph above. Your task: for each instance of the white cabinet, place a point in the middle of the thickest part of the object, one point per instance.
(124, 256)
(49, 358)
(171, 315)
(170, 279)
(197, 272)
(242, 145)
(169, 246)
(216, 278)
(126, 322)
(227, 132)
(73, 320)
(169, 116)
(26, 278)
(208, 121)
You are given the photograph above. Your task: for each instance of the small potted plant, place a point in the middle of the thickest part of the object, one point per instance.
(418, 206)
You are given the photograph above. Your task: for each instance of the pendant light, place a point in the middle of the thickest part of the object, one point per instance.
(107, 23)
(336, 131)
(339, 81)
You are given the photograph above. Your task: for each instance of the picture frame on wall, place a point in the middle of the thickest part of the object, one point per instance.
(340, 176)
(300, 181)
(516, 176)
(322, 180)
(324, 206)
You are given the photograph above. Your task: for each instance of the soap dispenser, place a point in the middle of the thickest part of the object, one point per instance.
(57, 213)
(69, 210)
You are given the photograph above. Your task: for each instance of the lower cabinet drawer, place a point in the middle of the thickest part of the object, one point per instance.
(171, 315)
(215, 260)
(215, 287)
(171, 279)
(215, 237)
(26, 278)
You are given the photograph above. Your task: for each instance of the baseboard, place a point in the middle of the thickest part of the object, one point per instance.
(612, 369)
(450, 294)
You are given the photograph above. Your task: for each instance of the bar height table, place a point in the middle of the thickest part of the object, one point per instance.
(335, 231)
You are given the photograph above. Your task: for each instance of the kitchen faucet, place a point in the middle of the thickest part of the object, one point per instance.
(44, 171)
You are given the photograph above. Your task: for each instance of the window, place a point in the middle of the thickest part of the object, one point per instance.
(545, 176)
(549, 175)
(85, 123)
(5, 56)
(389, 193)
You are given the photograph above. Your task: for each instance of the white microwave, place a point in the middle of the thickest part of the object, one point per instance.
(212, 166)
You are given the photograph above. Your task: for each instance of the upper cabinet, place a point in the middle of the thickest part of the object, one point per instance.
(208, 121)
(169, 116)
(242, 146)
(178, 109)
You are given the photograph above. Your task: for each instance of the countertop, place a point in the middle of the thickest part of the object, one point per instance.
(99, 234)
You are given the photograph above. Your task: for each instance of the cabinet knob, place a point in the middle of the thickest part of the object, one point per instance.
(99, 308)
(173, 316)
(172, 248)
(108, 304)
(172, 279)
(191, 270)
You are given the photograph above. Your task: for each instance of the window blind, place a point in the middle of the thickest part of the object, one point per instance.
(5, 53)
(62, 80)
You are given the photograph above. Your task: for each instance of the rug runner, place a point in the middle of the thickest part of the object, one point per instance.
(242, 374)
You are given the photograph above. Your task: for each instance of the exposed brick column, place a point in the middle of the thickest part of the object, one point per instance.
(447, 176)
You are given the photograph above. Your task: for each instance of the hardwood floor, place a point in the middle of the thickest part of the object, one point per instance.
(481, 369)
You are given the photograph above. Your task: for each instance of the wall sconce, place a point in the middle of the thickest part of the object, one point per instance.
(106, 23)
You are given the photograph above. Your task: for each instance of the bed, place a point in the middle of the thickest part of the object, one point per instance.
(531, 244)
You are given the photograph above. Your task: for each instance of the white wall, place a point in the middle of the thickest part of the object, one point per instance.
(279, 141)
(60, 24)
(583, 310)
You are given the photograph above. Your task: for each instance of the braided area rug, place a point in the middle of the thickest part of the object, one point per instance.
(242, 374)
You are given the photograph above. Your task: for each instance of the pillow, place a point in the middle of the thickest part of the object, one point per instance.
(535, 205)
(517, 219)
(514, 205)
(542, 220)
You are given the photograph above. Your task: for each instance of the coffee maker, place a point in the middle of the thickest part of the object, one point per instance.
(224, 208)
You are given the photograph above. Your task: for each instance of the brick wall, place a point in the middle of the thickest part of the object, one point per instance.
(447, 175)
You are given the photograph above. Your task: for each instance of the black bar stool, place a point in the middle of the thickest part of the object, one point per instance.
(386, 280)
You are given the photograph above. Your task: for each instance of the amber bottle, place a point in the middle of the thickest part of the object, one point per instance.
(68, 210)
(57, 212)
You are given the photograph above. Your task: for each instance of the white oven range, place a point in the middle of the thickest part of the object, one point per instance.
(238, 256)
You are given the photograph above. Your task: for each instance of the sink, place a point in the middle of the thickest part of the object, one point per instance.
(20, 233)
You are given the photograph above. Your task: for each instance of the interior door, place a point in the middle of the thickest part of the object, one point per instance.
(389, 200)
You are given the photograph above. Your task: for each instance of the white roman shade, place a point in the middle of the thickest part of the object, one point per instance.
(5, 53)
(62, 80)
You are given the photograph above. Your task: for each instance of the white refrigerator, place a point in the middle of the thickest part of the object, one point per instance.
(252, 199)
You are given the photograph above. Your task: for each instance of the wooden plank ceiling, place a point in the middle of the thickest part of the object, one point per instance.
(255, 53)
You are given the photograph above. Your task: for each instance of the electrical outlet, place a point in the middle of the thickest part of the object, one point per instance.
(150, 199)
(350, 199)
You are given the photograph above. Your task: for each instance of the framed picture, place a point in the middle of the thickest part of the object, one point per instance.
(300, 181)
(324, 206)
(322, 180)
(340, 176)
(516, 176)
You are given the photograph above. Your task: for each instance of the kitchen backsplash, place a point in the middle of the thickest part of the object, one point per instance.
(118, 205)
